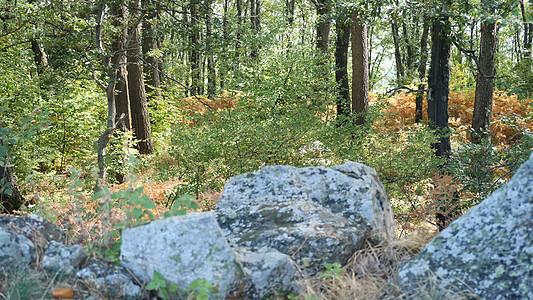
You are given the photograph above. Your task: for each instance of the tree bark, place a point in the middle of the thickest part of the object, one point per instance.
(140, 118)
(341, 67)
(150, 43)
(360, 78)
(255, 13)
(211, 72)
(419, 101)
(39, 56)
(119, 13)
(409, 48)
(10, 197)
(194, 55)
(222, 68)
(323, 27)
(438, 82)
(484, 83)
(397, 53)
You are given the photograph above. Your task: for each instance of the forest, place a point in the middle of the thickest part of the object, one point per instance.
(145, 108)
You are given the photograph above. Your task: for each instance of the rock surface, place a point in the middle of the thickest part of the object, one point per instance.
(317, 215)
(183, 249)
(111, 282)
(489, 250)
(269, 271)
(61, 260)
(23, 239)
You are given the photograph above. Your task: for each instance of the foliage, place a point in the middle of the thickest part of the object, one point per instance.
(164, 290)
(481, 169)
(198, 289)
(276, 116)
(331, 271)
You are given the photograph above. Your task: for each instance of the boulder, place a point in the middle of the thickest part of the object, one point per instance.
(488, 251)
(61, 260)
(183, 249)
(110, 282)
(23, 239)
(317, 215)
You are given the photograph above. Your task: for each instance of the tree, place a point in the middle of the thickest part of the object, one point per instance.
(140, 119)
(341, 65)
(119, 13)
(360, 78)
(323, 26)
(10, 197)
(484, 83)
(400, 73)
(438, 83)
(211, 72)
(255, 13)
(150, 44)
(419, 101)
(194, 51)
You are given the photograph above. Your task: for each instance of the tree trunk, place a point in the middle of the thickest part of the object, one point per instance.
(419, 101)
(140, 118)
(323, 27)
(194, 55)
(39, 56)
(409, 48)
(238, 3)
(397, 53)
(150, 43)
(211, 73)
(222, 69)
(360, 79)
(341, 67)
(10, 197)
(484, 83)
(119, 12)
(438, 83)
(290, 12)
(255, 12)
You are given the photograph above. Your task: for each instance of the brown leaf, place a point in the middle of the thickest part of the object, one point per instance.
(63, 293)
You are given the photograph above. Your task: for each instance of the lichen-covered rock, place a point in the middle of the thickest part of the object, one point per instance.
(61, 260)
(15, 249)
(317, 215)
(489, 250)
(183, 249)
(23, 239)
(111, 282)
(269, 270)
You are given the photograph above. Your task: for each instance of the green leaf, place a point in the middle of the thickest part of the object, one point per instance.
(137, 212)
(146, 202)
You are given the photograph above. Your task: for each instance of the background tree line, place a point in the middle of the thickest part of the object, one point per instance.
(61, 59)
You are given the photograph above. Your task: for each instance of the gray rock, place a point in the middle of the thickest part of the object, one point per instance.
(183, 249)
(489, 250)
(315, 214)
(269, 271)
(112, 282)
(15, 249)
(62, 260)
(23, 239)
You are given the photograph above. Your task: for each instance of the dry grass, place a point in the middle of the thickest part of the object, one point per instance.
(372, 274)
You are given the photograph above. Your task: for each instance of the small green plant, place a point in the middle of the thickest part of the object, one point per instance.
(164, 289)
(332, 271)
(200, 289)
(181, 205)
